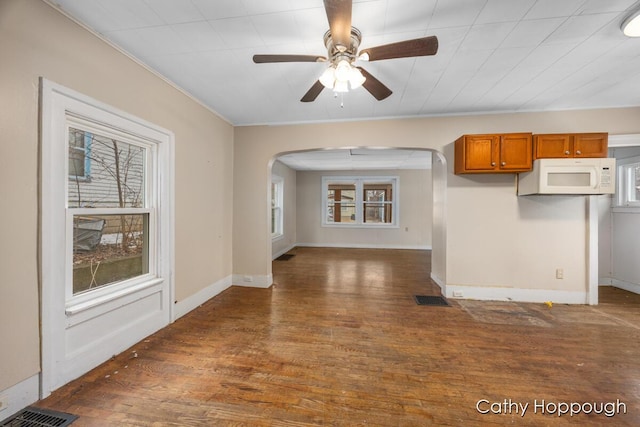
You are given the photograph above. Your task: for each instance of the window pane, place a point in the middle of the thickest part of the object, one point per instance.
(108, 249)
(341, 200)
(116, 172)
(635, 193)
(377, 213)
(76, 153)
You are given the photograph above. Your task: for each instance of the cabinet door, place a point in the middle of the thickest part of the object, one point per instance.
(590, 145)
(480, 152)
(516, 152)
(552, 146)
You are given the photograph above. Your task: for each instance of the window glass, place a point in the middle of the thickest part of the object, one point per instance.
(109, 249)
(341, 203)
(359, 201)
(108, 209)
(117, 172)
(277, 186)
(628, 188)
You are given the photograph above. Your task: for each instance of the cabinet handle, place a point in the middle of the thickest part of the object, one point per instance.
(493, 163)
(578, 152)
(567, 152)
(504, 163)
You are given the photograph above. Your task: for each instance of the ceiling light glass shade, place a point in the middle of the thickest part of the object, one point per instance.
(356, 79)
(328, 78)
(341, 77)
(631, 25)
(341, 86)
(343, 71)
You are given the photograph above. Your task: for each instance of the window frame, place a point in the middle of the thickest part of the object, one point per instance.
(150, 203)
(277, 204)
(360, 181)
(625, 186)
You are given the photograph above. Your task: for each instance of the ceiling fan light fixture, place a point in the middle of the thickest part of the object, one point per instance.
(631, 26)
(341, 86)
(328, 78)
(343, 70)
(356, 79)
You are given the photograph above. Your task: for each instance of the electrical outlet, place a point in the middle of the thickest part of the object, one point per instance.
(248, 279)
(458, 294)
(4, 403)
(559, 273)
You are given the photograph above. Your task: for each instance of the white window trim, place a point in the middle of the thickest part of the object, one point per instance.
(622, 202)
(59, 310)
(279, 233)
(359, 180)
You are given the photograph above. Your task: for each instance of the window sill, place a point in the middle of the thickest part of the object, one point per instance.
(369, 226)
(626, 209)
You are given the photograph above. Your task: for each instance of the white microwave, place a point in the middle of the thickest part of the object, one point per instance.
(569, 176)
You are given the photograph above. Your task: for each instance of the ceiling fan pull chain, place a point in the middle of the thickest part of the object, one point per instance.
(342, 100)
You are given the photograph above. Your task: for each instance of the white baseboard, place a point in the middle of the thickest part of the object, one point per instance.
(20, 396)
(253, 281)
(282, 251)
(627, 286)
(186, 305)
(363, 246)
(438, 281)
(515, 294)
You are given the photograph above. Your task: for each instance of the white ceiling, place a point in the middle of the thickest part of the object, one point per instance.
(494, 55)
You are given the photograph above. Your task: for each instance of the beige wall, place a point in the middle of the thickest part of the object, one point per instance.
(414, 228)
(493, 238)
(37, 41)
(289, 227)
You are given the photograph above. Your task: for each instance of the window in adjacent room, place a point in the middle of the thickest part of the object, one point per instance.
(629, 182)
(360, 201)
(277, 192)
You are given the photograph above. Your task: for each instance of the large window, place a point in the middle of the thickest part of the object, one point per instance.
(629, 182)
(360, 201)
(110, 212)
(277, 189)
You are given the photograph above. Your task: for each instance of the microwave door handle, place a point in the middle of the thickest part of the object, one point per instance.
(595, 175)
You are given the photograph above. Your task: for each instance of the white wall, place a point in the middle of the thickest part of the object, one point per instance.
(288, 240)
(415, 213)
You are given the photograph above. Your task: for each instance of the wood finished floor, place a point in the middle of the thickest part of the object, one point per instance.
(339, 341)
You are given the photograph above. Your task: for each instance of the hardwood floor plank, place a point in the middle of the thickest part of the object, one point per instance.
(339, 340)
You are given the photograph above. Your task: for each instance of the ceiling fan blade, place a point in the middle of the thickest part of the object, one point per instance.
(405, 49)
(263, 59)
(374, 86)
(313, 93)
(339, 17)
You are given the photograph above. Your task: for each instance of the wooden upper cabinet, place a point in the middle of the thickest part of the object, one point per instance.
(495, 153)
(553, 146)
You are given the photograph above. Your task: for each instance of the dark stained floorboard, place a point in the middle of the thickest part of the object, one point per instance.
(338, 340)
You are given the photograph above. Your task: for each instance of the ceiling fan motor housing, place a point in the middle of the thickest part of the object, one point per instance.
(336, 53)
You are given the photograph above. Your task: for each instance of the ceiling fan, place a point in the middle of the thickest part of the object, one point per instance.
(342, 42)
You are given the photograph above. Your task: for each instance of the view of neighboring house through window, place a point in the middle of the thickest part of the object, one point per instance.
(629, 182)
(360, 201)
(277, 189)
(79, 154)
(108, 208)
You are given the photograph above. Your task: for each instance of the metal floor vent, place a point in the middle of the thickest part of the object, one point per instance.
(431, 300)
(37, 417)
(285, 257)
